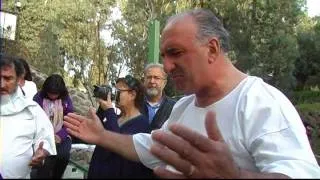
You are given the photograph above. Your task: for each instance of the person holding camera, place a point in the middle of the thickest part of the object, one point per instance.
(56, 102)
(129, 99)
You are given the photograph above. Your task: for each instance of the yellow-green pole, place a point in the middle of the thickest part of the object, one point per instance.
(154, 39)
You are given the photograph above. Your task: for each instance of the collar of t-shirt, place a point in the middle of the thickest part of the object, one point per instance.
(152, 109)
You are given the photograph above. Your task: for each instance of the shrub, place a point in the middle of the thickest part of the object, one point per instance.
(305, 97)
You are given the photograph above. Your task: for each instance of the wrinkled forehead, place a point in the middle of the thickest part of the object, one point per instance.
(155, 71)
(8, 69)
(181, 29)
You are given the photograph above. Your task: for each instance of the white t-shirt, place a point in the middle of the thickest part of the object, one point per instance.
(29, 88)
(23, 125)
(261, 126)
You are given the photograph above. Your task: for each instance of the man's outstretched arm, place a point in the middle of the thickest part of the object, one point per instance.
(91, 130)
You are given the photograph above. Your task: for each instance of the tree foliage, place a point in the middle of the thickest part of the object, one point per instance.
(272, 39)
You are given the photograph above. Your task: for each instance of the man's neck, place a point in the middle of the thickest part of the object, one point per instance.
(154, 99)
(220, 86)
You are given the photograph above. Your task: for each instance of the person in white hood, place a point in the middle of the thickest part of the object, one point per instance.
(26, 133)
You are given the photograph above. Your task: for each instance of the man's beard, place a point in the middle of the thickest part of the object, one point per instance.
(7, 97)
(152, 92)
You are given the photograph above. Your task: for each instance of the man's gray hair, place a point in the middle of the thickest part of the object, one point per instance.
(208, 26)
(155, 65)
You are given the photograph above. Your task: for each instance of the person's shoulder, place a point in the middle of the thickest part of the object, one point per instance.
(258, 94)
(184, 101)
(143, 118)
(34, 106)
(30, 83)
(141, 123)
(39, 94)
(255, 86)
(170, 100)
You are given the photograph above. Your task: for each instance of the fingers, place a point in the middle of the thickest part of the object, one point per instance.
(164, 173)
(212, 127)
(74, 118)
(71, 123)
(195, 139)
(39, 155)
(40, 146)
(166, 153)
(72, 129)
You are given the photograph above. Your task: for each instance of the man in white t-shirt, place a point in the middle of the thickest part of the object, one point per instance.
(230, 126)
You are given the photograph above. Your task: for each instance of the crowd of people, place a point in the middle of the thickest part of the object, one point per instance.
(228, 124)
(143, 106)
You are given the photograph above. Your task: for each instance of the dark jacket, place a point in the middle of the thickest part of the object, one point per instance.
(107, 164)
(162, 114)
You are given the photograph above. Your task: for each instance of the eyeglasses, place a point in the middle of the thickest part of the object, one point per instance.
(120, 90)
(157, 78)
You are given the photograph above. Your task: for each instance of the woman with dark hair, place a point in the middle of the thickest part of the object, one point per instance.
(55, 101)
(129, 99)
(29, 88)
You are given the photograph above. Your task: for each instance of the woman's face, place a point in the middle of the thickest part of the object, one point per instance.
(126, 96)
(53, 96)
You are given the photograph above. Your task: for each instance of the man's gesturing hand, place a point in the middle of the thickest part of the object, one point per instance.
(39, 156)
(89, 129)
(193, 154)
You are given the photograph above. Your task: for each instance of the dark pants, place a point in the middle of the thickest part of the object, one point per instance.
(54, 166)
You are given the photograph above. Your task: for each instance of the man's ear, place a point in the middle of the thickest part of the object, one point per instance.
(20, 80)
(214, 49)
(165, 82)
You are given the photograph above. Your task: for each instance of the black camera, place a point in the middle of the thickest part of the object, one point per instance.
(102, 92)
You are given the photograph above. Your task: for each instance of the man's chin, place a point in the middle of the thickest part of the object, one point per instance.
(4, 98)
(4, 93)
(152, 93)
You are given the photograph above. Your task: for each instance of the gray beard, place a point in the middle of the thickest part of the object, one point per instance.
(4, 99)
(152, 92)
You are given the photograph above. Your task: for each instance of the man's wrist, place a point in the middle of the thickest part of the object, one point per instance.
(46, 153)
(102, 137)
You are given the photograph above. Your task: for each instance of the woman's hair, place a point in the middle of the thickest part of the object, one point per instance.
(136, 85)
(55, 84)
(27, 72)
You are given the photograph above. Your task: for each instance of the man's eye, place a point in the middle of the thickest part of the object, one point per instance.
(175, 53)
(8, 78)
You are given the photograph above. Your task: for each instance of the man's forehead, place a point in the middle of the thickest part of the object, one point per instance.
(154, 70)
(7, 68)
(178, 32)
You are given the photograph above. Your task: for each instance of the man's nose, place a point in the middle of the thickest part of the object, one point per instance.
(168, 65)
(2, 82)
(153, 80)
